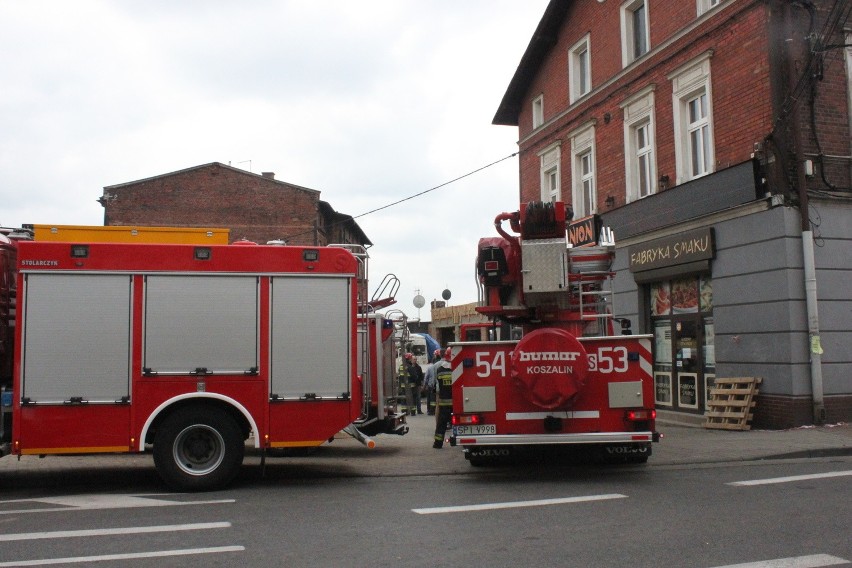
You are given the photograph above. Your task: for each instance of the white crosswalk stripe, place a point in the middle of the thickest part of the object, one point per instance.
(125, 556)
(791, 478)
(111, 532)
(812, 561)
(516, 504)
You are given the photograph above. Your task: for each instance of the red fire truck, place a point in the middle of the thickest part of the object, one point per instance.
(569, 380)
(191, 352)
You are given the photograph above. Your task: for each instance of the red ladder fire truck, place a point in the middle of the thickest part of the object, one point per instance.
(569, 380)
(189, 352)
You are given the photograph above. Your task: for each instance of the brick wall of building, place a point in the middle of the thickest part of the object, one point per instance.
(742, 111)
(254, 207)
(742, 97)
(774, 411)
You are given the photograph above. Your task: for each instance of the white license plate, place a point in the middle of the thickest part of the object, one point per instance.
(475, 429)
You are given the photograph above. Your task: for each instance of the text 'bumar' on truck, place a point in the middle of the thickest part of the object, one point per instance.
(190, 352)
(569, 380)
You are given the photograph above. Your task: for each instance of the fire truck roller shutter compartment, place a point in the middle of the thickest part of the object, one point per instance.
(198, 322)
(311, 343)
(77, 329)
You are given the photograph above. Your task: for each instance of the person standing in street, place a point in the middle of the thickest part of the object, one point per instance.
(415, 383)
(444, 398)
(429, 382)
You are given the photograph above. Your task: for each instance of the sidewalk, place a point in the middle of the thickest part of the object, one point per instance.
(413, 454)
(689, 444)
(681, 444)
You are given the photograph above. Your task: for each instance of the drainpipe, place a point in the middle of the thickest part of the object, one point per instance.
(813, 325)
(849, 88)
(814, 347)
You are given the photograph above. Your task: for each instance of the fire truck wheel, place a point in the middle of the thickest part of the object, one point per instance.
(198, 449)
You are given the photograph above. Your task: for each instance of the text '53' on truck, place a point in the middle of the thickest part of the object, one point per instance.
(191, 353)
(569, 380)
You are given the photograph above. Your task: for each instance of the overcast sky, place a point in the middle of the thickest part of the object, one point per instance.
(368, 102)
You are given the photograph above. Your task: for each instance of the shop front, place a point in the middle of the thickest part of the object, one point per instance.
(674, 275)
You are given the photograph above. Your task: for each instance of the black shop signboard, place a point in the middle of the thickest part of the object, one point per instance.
(690, 248)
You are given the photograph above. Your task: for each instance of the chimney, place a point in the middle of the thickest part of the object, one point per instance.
(268, 175)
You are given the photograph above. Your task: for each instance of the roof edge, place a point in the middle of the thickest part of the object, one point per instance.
(544, 38)
(202, 166)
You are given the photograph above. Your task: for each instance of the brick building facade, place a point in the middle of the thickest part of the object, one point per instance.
(255, 207)
(716, 123)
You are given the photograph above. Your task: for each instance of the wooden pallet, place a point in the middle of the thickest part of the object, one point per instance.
(731, 403)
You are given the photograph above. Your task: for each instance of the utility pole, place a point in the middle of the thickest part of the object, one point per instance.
(795, 67)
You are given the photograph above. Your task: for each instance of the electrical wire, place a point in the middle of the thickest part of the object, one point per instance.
(410, 197)
(446, 183)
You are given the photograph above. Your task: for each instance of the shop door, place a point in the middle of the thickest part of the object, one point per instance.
(684, 354)
(687, 362)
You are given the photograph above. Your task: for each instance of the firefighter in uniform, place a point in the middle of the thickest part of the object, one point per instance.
(444, 398)
(416, 383)
(411, 371)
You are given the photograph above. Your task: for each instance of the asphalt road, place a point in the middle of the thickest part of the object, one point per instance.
(705, 499)
(523, 515)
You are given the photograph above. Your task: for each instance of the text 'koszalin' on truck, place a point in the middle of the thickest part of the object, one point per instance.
(191, 352)
(568, 380)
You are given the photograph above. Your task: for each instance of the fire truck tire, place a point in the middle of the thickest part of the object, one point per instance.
(198, 449)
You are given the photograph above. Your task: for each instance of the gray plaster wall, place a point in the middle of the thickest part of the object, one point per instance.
(832, 227)
(759, 310)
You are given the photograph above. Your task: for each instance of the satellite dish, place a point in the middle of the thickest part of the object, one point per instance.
(419, 301)
(446, 294)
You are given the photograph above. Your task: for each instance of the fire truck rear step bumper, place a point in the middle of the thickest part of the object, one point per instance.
(537, 439)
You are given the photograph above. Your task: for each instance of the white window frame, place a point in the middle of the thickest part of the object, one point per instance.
(704, 6)
(698, 134)
(551, 185)
(688, 82)
(849, 82)
(584, 183)
(580, 69)
(538, 111)
(639, 113)
(629, 31)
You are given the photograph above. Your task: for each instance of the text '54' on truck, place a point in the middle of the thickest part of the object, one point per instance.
(190, 352)
(569, 380)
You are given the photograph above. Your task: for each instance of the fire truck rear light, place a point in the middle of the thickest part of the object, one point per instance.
(492, 266)
(466, 419)
(638, 415)
(202, 253)
(310, 255)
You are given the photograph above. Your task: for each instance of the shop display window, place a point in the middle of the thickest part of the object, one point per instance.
(663, 388)
(660, 299)
(684, 296)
